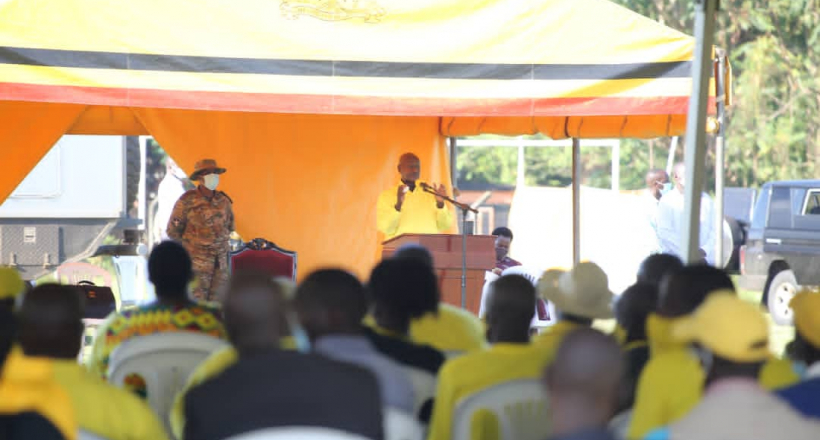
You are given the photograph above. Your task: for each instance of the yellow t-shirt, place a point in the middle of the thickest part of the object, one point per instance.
(453, 330)
(216, 363)
(28, 385)
(105, 410)
(551, 337)
(473, 372)
(659, 334)
(419, 214)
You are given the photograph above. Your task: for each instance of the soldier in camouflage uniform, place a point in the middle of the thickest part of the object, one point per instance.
(202, 220)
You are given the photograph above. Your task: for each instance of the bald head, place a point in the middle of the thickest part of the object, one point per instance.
(255, 311)
(510, 309)
(50, 322)
(583, 382)
(409, 167)
(655, 179)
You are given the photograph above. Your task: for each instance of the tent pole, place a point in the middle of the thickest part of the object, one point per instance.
(720, 156)
(576, 201)
(696, 128)
(453, 165)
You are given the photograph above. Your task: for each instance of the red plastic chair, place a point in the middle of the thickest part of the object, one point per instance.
(262, 255)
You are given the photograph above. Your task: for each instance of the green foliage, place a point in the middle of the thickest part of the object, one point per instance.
(772, 130)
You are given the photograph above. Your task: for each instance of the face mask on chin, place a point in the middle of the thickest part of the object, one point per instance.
(211, 181)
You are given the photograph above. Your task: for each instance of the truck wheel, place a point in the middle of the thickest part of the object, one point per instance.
(781, 291)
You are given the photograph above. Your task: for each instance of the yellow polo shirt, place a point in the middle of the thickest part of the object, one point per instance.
(28, 384)
(659, 334)
(551, 337)
(453, 330)
(419, 214)
(473, 372)
(105, 410)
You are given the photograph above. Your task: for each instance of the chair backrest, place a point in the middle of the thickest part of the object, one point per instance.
(262, 255)
(520, 407)
(544, 314)
(297, 433)
(619, 425)
(399, 425)
(85, 435)
(424, 386)
(164, 361)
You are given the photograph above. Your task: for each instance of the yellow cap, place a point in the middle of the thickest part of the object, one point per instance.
(729, 327)
(11, 285)
(806, 306)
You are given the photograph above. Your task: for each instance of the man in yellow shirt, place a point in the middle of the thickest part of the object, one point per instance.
(671, 383)
(50, 326)
(511, 357)
(580, 296)
(449, 329)
(32, 404)
(408, 209)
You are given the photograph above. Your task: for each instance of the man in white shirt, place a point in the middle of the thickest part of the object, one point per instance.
(657, 181)
(670, 220)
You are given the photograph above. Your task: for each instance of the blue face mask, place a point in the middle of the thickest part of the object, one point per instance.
(300, 337)
(666, 188)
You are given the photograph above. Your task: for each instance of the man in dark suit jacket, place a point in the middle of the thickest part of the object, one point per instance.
(270, 388)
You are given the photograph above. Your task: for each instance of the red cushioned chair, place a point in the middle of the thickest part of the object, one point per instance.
(262, 255)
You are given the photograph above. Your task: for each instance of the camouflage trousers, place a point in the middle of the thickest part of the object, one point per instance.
(210, 275)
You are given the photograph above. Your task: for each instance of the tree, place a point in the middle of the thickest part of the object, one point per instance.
(773, 128)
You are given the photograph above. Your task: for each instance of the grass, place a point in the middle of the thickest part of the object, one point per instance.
(779, 335)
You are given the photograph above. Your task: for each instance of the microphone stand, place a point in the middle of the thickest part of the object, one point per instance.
(464, 209)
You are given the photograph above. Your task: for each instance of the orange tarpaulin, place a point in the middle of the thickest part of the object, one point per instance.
(307, 182)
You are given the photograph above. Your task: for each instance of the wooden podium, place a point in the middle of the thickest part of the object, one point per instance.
(446, 250)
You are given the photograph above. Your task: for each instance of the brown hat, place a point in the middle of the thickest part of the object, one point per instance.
(205, 166)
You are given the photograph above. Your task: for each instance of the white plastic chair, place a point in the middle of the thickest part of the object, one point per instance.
(399, 425)
(534, 275)
(297, 433)
(520, 407)
(85, 435)
(164, 361)
(424, 386)
(619, 425)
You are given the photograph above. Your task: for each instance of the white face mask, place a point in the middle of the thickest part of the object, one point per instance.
(211, 181)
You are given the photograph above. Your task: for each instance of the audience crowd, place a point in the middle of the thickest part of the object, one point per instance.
(387, 359)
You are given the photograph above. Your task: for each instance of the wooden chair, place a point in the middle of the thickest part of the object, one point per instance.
(262, 255)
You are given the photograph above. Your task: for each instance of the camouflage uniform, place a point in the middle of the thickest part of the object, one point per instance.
(203, 225)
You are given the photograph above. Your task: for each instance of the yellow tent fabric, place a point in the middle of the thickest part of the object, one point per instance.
(379, 57)
(309, 103)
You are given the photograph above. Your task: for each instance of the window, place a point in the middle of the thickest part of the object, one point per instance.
(812, 203)
(761, 207)
(485, 220)
(780, 208)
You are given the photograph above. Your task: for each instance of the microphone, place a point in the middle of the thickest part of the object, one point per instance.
(426, 187)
